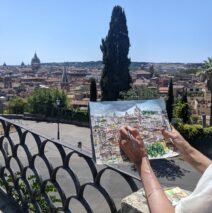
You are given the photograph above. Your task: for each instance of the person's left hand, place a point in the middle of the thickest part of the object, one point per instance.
(133, 145)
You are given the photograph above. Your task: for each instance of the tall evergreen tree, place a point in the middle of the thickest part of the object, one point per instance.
(170, 101)
(93, 91)
(207, 71)
(184, 98)
(152, 70)
(115, 48)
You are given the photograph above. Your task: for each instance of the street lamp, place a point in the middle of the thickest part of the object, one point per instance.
(58, 127)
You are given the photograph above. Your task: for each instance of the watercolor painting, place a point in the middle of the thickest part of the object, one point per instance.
(146, 115)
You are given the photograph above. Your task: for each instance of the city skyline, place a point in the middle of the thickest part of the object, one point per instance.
(177, 31)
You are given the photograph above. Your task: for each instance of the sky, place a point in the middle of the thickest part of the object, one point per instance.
(71, 30)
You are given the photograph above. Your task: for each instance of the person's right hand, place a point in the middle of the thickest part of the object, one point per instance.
(177, 139)
(133, 147)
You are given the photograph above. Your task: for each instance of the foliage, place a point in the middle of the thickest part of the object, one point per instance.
(182, 109)
(198, 137)
(170, 101)
(206, 72)
(78, 115)
(74, 115)
(155, 149)
(50, 188)
(43, 101)
(93, 91)
(139, 93)
(195, 119)
(16, 105)
(115, 47)
(191, 132)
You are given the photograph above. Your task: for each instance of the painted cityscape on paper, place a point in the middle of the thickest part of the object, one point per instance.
(146, 115)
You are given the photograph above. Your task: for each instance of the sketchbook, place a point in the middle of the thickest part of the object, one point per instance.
(147, 116)
(175, 194)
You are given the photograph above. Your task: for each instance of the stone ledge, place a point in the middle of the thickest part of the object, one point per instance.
(135, 203)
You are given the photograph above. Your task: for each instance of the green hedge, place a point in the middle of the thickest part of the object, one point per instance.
(74, 115)
(198, 137)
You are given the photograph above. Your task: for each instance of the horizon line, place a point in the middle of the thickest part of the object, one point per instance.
(148, 62)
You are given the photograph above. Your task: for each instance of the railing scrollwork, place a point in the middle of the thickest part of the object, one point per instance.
(42, 174)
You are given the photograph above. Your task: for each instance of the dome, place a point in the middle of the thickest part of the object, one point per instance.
(35, 62)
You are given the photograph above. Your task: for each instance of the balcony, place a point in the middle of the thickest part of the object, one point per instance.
(39, 174)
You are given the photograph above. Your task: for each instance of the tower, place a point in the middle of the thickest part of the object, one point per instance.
(8, 81)
(64, 81)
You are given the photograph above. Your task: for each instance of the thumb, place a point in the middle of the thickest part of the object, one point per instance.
(167, 134)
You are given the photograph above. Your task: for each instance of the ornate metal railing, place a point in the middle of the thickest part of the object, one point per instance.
(45, 175)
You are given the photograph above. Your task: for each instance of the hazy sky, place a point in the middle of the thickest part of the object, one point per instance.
(71, 30)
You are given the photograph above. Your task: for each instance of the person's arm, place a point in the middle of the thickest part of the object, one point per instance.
(157, 200)
(189, 153)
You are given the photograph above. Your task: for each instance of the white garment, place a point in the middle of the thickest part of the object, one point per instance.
(200, 200)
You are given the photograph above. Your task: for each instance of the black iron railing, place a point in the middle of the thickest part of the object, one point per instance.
(45, 175)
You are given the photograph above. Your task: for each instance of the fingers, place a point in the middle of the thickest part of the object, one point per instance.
(128, 150)
(166, 134)
(123, 132)
(134, 134)
(125, 129)
(125, 146)
(132, 130)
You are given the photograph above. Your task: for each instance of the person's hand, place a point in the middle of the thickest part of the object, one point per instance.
(177, 139)
(132, 144)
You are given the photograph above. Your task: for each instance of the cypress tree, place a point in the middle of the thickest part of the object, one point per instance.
(115, 48)
(152, 70)
(93, 91)
(186, 110)
(170, 101)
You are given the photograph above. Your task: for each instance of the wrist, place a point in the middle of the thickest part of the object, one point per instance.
(143, 158)
(186, 150)
(139, 159)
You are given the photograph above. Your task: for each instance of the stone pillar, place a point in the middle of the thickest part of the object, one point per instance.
(135, 203)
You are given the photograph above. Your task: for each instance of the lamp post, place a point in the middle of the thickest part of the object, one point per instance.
(2, 99)
(58, 124)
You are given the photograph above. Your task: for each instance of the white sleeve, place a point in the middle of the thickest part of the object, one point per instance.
(200, 200)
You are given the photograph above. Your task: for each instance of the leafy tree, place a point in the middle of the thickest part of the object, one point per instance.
(170, 101)
(115, 48)
(182, 109)
(207, 75)
(93, 91)
(16, 105)
(43, 101)
(139, 93)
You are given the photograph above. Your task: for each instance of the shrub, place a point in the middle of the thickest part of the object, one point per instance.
(191, 132)
(198, 137)
(16, 105)
(49, 189)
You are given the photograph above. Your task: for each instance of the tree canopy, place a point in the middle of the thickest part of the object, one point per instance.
(139, 93)
(43, 101)
(207, 73)
(17, 105)
(115, 48)
(182, 109)
(93, 91)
